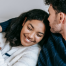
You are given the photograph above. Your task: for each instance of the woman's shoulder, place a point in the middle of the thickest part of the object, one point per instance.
(34, 48)
(24, 53)
(3, 40)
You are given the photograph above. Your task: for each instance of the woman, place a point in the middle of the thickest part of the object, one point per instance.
(23, 34)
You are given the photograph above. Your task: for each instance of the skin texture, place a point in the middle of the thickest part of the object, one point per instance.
(32, 32)
(54, 20)
(0, 29)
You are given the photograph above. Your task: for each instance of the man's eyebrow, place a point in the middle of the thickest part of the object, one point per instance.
(31, 25)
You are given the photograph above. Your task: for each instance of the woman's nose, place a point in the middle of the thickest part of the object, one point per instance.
(32, 35)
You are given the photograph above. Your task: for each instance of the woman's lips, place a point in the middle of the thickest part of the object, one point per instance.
(26, 39)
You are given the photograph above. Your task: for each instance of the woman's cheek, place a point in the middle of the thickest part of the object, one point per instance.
(38, 39)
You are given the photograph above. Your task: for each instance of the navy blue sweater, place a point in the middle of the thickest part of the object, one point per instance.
(53, 52)
(5, 24)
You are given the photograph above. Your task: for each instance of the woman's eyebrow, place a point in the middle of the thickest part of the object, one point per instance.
(31, 25)
(33, 28)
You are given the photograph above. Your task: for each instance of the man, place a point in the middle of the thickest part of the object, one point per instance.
(53, 52)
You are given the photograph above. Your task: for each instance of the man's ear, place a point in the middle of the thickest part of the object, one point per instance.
(62, 17)
(24, 21)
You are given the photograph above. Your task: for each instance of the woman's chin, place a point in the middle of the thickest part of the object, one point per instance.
(24, 44)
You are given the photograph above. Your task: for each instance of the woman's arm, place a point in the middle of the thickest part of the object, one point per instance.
(4, 25)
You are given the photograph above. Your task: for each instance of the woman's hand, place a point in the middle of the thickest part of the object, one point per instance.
(0, 29)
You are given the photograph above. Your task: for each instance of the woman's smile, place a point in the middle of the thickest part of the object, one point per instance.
(27, 39)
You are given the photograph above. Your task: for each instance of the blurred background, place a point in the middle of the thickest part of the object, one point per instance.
(13, 8)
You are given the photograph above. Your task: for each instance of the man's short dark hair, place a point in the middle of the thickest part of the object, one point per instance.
(58, 5)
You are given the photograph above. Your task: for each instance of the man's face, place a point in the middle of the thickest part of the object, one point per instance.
(54, 20)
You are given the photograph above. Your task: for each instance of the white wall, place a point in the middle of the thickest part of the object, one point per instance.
(13, 8)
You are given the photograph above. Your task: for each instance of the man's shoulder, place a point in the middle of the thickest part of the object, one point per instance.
(53, 38)
(55, 35)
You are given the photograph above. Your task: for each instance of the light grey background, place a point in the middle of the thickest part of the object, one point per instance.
(13, 8)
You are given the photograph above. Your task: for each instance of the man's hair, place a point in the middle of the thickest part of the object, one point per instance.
(58, 5)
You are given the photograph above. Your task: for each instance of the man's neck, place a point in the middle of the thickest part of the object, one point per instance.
(64, 35)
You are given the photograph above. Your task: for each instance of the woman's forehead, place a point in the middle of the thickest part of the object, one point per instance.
(37, 25)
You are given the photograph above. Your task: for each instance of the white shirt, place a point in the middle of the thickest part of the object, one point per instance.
(18, 56)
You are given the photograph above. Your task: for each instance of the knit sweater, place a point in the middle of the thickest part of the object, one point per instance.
(17, 56)
(53, 52)
(5, 24)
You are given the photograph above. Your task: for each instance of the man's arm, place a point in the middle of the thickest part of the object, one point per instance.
(4, 25)
(0, 28)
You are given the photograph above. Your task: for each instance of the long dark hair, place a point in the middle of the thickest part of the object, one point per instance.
(14, 29)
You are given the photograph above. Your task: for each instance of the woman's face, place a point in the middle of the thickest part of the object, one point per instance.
(32, 32)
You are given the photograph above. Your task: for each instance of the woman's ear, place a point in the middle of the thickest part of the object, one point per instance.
(24, 21)
(62, 17)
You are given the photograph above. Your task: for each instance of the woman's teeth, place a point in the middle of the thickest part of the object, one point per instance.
(28, 40)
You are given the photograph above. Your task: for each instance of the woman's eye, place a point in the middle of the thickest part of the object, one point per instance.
(29, 28)
(39, 35)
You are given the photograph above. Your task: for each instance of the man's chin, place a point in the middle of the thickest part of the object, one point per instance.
(52, 31)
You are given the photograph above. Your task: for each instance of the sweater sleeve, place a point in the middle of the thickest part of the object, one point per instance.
(2, 63)
(29, 57)
(5, 24)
